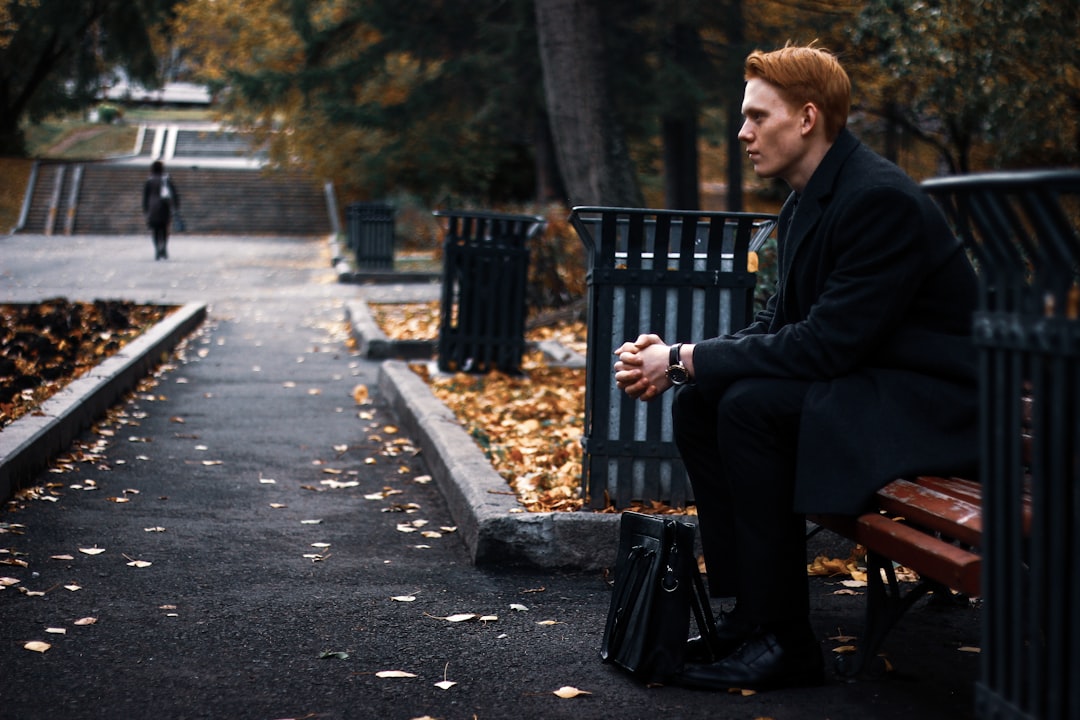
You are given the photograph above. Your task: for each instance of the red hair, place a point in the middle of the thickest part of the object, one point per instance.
(805, 74)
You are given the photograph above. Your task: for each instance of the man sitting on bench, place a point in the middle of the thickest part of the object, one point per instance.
(859, 370)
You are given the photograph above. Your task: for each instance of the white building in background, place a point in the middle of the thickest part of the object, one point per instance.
(173, 93)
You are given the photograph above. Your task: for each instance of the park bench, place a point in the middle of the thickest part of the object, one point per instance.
(1021, 229)
(930, 525)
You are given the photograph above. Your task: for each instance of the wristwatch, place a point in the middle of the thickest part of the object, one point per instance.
(677, 372)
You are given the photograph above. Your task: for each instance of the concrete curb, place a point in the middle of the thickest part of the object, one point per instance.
(373, 344)
(347, 274)
(31, 442)
(493, 526)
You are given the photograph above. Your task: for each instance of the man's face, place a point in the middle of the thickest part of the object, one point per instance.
(771, 131)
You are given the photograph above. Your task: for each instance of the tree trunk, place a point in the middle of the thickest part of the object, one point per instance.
(679, 126)
(735, 83)
(681, 162)
(592, 154)
(549, 185)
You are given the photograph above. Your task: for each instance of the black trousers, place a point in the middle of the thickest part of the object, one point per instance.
(161, 239)
(739, 451)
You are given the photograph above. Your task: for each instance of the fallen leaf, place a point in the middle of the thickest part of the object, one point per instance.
(489, 618)
(209, 463)
(845, 649)
(320, 545)
(92, 550)
(9, 581)
(155, 529)
(85, 621)
(969, 649)
(550, 622)
(56, 630)
(460, 617)
(73, 588)
(404, 598)
(518, 607)
(445, 684)
(278, 506)
(360, 394)
(394, 674)
(37, 646)
(139, 563)
(311, 522)
(567, 692)
(62, 557)
(328, 655)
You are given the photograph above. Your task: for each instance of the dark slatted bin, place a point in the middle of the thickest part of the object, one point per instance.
(682, 275)
(371, 235)
(485, 272)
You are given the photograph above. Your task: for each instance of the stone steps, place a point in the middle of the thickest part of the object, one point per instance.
(213, 201)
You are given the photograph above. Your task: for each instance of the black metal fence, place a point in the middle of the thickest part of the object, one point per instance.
(680, 274)
(370, 234)
(1022, 229)
(485, 273)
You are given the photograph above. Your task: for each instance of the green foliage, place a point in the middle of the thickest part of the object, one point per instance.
(55, 52)
(966, 75)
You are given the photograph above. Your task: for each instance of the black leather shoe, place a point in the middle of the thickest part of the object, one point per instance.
(731, 632)
(760, 663)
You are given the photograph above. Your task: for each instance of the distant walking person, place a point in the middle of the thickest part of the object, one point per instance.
(159, 200)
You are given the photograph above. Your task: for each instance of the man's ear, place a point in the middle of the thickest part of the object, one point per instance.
(809, 118)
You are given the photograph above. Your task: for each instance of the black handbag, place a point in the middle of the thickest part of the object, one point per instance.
(657, 587)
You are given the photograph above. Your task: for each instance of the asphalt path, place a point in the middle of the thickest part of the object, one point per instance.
(269, 546)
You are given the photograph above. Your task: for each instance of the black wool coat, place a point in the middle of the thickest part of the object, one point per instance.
(158, 211)
(874, 307)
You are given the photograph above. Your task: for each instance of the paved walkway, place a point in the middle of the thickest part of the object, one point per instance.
(272, 509)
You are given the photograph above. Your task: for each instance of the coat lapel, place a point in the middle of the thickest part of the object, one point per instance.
(815, 198)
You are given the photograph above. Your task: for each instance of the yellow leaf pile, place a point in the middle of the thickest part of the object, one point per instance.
(529, 427)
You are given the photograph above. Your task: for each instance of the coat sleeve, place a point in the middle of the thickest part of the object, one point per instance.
(865, 261)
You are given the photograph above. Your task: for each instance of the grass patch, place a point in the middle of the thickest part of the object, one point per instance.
(14, 175)
(69, 140)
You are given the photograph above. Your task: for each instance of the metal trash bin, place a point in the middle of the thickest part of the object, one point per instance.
(1023, 230)
(371, 235)
(485, 273)
(681, 274)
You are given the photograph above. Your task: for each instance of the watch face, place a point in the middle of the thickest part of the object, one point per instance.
(677, 375)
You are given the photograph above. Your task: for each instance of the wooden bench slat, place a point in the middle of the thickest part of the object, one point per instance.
(954, 517)
(968, 490)
(949, 564)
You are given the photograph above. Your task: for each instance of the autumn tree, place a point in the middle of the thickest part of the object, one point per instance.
(435, 98)
(965, 76)
(54, 54)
